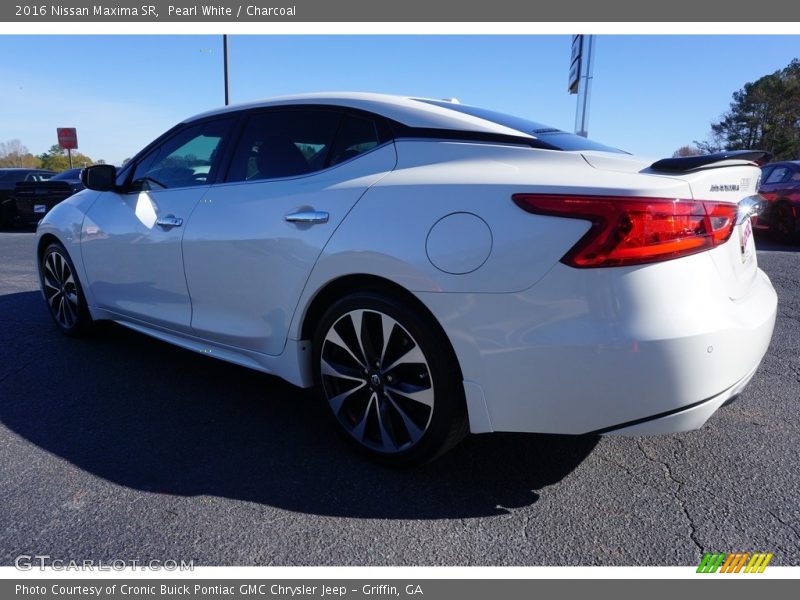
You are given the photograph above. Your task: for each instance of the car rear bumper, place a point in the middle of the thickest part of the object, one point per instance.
(25, 209)
(652, 349)
(681, 419)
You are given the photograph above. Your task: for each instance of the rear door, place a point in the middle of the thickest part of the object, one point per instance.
(252, 241)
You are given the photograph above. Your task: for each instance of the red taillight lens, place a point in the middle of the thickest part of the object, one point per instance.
(633, 231)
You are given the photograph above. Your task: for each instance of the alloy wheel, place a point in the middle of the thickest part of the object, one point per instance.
(60, 290)
(377, 381)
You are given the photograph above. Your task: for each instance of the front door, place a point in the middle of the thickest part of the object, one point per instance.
(131, 238)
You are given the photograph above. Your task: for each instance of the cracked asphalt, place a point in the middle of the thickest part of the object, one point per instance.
(122, 447)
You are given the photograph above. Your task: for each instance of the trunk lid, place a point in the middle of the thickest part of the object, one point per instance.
(731, 177)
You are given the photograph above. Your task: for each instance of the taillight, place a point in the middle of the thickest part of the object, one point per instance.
(633, 231)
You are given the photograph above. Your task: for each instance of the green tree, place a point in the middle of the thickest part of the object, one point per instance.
(56, 159)
(13, 153)
(764, 115)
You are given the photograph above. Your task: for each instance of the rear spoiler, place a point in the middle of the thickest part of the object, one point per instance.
(687, 163)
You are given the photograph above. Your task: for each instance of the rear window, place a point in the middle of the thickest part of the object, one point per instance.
(561, 140)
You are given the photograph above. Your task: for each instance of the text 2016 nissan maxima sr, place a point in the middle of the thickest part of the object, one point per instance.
(431, 268)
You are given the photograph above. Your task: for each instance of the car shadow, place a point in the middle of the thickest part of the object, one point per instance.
(147, 415)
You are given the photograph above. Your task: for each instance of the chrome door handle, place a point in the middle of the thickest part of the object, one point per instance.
(308, 216)
(169, 222)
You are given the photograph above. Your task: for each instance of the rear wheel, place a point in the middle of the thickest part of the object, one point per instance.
(783, 224)
(390, 379)
(63, 292)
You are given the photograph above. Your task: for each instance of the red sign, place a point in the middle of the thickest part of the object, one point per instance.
(67, 137)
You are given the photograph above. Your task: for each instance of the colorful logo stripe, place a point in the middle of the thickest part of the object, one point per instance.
(734, 563)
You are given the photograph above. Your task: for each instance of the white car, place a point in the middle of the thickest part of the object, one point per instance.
(432, 268)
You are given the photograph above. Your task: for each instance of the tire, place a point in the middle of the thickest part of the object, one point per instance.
(783, 224)
(66, 302)
(7, 211)
(406, 412)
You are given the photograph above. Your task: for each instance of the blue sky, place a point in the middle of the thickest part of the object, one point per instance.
(651, 94)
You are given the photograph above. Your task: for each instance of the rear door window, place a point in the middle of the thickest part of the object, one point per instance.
(284, 143)
(356, 135)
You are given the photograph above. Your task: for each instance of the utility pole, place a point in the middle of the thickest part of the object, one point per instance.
(225, 66)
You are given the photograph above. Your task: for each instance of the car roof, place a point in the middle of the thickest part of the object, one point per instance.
(407, 110)
(26, 170)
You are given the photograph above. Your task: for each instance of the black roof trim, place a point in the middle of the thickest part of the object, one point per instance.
(405, 131)
(687, 163)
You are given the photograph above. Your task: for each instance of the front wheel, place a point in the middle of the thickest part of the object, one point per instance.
(63, 292)
(390, 379)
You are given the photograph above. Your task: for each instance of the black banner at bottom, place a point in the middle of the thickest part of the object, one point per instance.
(405, 589)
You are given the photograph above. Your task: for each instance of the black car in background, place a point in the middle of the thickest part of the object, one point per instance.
(34, 199)
(8, 182)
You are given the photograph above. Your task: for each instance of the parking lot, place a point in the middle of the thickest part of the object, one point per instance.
(122, 447)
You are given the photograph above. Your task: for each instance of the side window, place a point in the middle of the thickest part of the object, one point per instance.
(778, 175)
(186, 159)
(356, 135)
(283, 143)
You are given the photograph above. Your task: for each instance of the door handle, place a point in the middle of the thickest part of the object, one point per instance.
(169, 222)
(308, 216)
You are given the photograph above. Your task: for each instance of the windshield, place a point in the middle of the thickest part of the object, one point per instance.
(561, 140)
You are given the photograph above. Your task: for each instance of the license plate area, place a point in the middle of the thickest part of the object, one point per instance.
(39, 209)
(746, 245)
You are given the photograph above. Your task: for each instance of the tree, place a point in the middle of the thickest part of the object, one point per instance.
(687, 151)
(57, 160)
(14, 154)
(707, 146)
(764, 115)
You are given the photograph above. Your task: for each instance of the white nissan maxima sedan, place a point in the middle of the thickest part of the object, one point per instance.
(431, 268)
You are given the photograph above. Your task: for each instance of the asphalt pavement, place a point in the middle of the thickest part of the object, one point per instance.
(120, 447)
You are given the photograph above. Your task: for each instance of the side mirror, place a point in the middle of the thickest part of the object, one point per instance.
(101, 178)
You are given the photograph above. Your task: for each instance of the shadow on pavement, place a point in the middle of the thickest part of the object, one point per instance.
(146, 415)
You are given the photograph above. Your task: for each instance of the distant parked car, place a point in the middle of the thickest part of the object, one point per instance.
(780, 185)
(34, 199)
(8, 181)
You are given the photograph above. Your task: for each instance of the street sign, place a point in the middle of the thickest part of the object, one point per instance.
(67, 138)
(577, 42)
(575, 64)
(574, 77)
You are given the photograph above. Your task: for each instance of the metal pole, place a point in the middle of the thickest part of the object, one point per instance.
(585, 87)
(225, 53)
(69, 155)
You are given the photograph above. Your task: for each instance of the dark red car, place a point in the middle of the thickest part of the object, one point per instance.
(780, 185)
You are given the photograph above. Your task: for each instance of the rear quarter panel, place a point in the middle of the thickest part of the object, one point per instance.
(386, 233)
